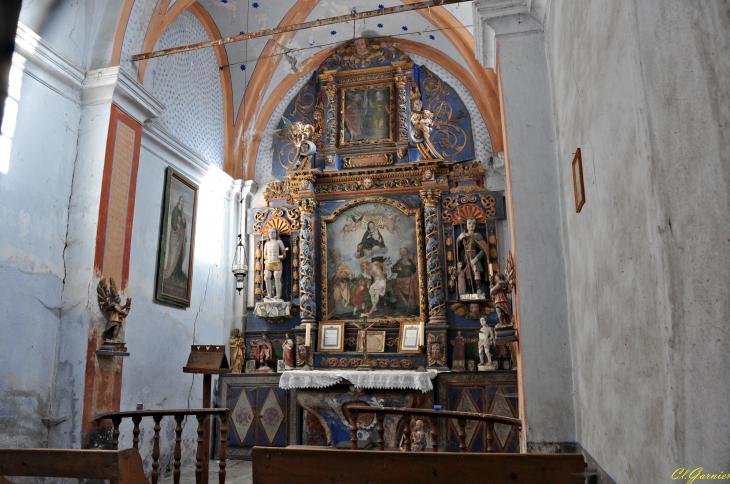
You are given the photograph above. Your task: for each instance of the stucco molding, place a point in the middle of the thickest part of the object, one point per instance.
(113, 84)
(496, 18)
(178, 155)
(36, 58)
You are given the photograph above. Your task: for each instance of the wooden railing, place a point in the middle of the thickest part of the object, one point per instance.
(201, 414)
(433, 416)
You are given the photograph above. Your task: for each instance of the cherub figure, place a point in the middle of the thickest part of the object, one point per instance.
(110, 301)
(390, 223)
(352, 226)
(298, 131)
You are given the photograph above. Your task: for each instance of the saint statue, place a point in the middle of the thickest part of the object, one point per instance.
(486, 340)
(110, 301)
(458, 360)
(238, 345)
(264, 352)
(274, 252)
(499, 288)
(289, 358)
(473, 251)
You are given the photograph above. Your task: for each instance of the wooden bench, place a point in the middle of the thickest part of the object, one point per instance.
(121, 466)
(326, 465)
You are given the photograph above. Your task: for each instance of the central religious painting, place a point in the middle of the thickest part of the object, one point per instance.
(371, 255)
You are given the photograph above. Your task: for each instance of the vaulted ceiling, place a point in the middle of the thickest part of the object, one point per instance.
(256, 75)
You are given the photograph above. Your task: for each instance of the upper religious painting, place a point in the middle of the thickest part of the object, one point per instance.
(371, 259)
(366, 115)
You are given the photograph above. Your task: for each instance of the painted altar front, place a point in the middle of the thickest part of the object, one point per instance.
(377, 246)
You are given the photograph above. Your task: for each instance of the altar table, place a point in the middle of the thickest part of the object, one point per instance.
(376, 379)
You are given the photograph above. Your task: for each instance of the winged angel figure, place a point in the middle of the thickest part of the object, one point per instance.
(111, 302)
(423, 121)
(298, 131)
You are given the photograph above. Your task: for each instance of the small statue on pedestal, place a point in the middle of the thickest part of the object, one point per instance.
(238, 345)
(273, 306)
(264, 353)
(486, 340)
(458, 360)
(274, 252)
(498, 289)
(289, 358)
(111, 302)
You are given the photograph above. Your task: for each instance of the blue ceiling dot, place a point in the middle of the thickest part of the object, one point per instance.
(432, 37)
(404, 27)
(224, 1)
(380, 26)
(381, 6)
(334, 32)
(353, 11)
(243, 67)
(255, 5)
(242, 32)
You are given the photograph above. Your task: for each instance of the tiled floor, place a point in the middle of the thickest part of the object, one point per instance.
(237, 472)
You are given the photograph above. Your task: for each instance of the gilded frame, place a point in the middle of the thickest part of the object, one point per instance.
(408, 326)
(379, 344)
(390, 86)
(417, 214)
(325, 326)
(578, 186)
(176, 185)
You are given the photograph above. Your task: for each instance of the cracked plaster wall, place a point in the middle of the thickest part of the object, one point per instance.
(34, 201)
(642, 88)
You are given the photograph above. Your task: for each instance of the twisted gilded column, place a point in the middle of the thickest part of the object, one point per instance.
(436, 301)
(400, 84)
(307, 286)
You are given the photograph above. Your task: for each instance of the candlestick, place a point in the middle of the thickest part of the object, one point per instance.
(422, 334)
(308, 335)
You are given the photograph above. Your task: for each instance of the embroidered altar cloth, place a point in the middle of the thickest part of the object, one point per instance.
(376, 379)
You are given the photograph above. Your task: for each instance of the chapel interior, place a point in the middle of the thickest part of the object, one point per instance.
(512, 208)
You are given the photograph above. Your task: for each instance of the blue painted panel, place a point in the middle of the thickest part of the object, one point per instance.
(452, 135)
(491, 391)
(454, 394)
(301, 108)
(478, 394)
(478, 441)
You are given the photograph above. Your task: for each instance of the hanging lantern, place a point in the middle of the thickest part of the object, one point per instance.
(238, 268)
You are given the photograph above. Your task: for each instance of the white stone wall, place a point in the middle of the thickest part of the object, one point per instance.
(642, 88)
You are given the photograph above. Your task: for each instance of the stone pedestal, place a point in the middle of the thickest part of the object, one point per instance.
(273, 309)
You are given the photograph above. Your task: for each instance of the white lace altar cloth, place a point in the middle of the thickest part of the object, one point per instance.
(376, 379)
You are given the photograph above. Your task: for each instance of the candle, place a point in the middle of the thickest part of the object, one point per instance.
(308, 336)
(421, 334)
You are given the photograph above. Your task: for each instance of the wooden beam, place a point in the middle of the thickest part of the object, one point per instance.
(302, 26)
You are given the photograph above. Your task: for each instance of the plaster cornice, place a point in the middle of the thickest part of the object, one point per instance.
(496, 18)
(113, 84)
(36, 58)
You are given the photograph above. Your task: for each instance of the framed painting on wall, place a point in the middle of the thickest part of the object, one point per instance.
(408, 337)
(177, 240)
(578, 188)
(372, 262)
(331, 336)
(376, 342)
(367, 115)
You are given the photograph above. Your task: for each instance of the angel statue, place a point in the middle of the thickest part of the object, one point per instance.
(298, 131)
(110, 301)
(423, 121)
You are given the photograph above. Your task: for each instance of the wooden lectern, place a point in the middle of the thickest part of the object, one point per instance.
(207, 360)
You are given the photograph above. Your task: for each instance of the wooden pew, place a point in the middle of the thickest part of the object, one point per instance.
(307, 465)
(122, 466)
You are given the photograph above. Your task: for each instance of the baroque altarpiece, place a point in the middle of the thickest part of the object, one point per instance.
(385, 223)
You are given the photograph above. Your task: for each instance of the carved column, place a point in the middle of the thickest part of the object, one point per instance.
(307, 292)
(330, 126)
(436, 301)
(400, 84)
